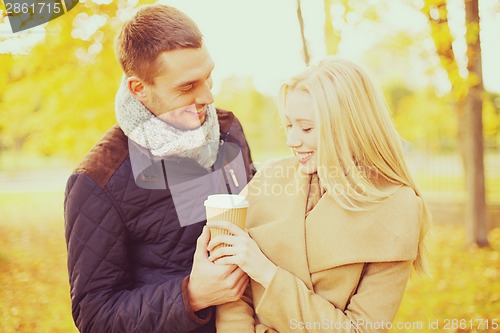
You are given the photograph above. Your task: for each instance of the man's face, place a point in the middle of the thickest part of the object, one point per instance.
(182, 90)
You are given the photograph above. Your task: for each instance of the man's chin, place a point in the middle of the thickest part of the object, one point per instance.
(191, 125)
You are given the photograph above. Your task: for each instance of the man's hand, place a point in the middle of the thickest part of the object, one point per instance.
(210, 284)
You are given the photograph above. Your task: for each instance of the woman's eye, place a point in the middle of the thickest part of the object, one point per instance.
(306, 130)
(288, 126)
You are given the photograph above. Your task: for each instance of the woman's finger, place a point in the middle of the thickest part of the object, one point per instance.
(230, 227)
(221, 252)
(229, 240)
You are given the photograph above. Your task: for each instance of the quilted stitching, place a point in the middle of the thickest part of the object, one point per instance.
(127, 253)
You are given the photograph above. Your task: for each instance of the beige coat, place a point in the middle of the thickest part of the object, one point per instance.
(339, 271)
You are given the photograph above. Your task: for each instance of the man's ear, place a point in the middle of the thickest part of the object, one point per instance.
(137, 88)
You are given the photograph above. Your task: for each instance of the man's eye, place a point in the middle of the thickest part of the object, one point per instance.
(186, 88)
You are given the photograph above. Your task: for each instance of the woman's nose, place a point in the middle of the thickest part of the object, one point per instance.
(293, 139)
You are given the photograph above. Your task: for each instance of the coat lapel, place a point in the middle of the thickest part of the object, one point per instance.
(386, 232)
(275, 219)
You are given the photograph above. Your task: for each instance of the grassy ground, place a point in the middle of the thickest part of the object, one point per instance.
(35, 294)
(464, 288)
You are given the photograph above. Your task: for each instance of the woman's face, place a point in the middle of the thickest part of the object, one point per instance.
(302, 133)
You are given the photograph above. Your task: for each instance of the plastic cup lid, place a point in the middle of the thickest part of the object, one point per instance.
(226, 201)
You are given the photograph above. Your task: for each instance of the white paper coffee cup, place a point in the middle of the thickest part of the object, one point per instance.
(226, 207)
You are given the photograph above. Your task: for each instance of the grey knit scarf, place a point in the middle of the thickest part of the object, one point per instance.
(161, 139)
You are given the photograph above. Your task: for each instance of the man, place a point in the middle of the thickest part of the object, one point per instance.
(136, 239)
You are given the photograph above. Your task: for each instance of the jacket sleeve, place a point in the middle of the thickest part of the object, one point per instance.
(103, 296)
(287, 304)
(238, 316)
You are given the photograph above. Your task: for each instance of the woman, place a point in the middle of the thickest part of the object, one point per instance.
(334, 231)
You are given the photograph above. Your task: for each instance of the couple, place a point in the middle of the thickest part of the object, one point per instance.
(332, 233)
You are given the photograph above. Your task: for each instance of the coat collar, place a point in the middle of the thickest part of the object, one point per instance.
(330, 236)
(275, 218)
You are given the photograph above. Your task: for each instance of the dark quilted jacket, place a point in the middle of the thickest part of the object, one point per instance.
(128, 257)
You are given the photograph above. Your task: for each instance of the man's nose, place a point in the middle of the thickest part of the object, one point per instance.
(205, 95)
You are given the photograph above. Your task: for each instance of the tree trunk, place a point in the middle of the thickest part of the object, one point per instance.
(307, 58)
(437, 13)
(476, 217)
(331, 40)
(468, 106)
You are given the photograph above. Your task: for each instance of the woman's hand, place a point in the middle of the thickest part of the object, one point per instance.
(242, 251)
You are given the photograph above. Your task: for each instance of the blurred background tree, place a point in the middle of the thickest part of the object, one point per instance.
(55, 100)
(300, 18)
(258, 114)
(468, 93)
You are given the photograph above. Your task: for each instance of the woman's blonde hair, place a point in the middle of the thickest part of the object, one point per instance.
(358, 145)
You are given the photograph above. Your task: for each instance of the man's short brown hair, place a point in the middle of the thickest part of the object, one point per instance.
(151, 31)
